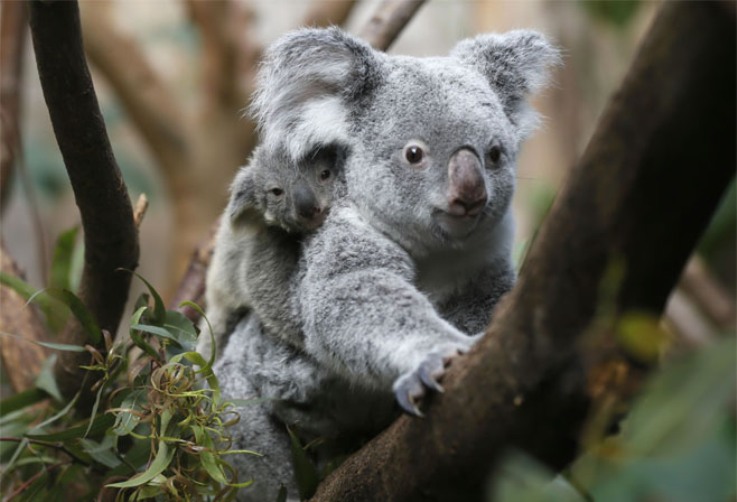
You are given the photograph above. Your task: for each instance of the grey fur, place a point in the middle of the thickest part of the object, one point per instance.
(257, 244)
(406, 269)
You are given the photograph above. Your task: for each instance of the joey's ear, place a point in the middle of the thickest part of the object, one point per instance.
(515, 64)
(308, 84)
(243, 195)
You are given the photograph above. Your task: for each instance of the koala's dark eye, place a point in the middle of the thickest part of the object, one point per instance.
(414, 154)
(325, 174)
(277, 192)
(494, 155)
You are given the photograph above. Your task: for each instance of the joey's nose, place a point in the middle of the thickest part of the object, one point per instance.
(466, 187)
(305, 202)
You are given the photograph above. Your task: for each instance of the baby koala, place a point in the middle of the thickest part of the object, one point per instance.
(274, 202)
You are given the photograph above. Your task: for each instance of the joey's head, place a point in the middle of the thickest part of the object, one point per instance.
(294, 195)
(434, 140)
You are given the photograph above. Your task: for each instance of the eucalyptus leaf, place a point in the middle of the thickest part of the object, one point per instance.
(304, 469)
(46, 380)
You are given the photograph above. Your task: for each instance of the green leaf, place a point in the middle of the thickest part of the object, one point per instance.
(136, 337)
(46, 380)
(53, 346)
(182, 328)
(95, 406)
(205, 369)
(101, 452)
(641, 336)
(61, 262)
(54, 311)
(304, 469)
(137, 456)
(520, 477)
(21, 400)
(99, 425)
(159, 313)
(682, 402)
(126, 421)
(80, 311)
(207, 459)
(163, 458)
(155, 330)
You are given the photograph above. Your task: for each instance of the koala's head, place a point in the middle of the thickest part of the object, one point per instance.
(292, 194)
(434, 140)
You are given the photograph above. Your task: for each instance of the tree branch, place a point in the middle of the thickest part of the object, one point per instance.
(110, 236)
(13, 24)
(633, 203)
(388, 22)
(140, 88)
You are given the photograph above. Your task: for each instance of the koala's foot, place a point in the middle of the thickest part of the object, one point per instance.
(410, 388)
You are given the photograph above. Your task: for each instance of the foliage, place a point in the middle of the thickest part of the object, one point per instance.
(158, 428)
(677, 443)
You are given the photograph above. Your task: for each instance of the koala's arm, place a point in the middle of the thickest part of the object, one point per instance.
(363, 315)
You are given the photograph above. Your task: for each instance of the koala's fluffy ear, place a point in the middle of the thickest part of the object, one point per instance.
(243, 196)
(515, 64)
(305, 84)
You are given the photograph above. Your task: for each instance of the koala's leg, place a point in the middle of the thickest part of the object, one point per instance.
(363, 314)
(257, 429)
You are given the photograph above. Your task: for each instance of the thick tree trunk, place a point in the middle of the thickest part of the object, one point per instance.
(636, 204)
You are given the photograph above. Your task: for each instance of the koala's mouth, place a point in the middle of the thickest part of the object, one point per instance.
(457, 227)
(314, 221)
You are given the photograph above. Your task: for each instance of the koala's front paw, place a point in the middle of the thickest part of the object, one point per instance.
(410, 388)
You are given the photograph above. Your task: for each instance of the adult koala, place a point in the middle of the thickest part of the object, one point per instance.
(406, 269)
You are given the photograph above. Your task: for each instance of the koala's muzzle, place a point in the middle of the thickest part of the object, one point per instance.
(466, 188)
(306, 205)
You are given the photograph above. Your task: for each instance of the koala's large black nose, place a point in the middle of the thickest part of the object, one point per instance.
(305, 202)
(466, 187)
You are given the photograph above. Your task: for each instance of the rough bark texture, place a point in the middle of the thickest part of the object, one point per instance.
(639, 198)
(13, 32)
(110, 236)
(21, 359)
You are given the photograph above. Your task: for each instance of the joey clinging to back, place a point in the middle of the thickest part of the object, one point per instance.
(275, 200)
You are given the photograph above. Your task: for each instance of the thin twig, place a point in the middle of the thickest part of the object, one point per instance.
(139, 211)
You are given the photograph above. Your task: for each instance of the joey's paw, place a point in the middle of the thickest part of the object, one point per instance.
(410, 388)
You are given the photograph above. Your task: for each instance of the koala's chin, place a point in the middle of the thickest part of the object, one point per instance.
(456, 228)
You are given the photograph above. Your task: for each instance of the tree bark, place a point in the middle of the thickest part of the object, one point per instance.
(12, 45)
(110, 236)
(388, 22)
(21, 359)
(636, 203)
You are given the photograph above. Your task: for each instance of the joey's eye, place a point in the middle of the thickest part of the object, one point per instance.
(414, 154)
(277, 192)
(494, 154)
(325, 174)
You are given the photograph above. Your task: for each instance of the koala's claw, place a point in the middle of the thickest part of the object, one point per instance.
(412, 387)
